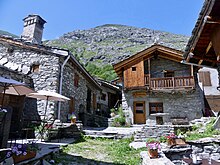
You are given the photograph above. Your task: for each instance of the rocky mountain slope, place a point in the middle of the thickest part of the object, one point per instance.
(110, 43)
(7, 34)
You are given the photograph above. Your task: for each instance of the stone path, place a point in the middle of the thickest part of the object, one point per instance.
(112, 132)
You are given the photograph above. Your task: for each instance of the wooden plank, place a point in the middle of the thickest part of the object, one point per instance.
(215, 38)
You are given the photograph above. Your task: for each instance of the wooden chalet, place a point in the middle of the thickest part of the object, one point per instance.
(203, 48)
(154, 82)
(141, 70)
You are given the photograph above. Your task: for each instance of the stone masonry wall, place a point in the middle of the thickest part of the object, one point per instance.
(45, 79)
(185, 104)
(159, 65)
(78, 93)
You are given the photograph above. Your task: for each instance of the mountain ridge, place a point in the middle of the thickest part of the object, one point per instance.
(111, 43)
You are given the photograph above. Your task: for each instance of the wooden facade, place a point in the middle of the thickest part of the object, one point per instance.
(141, 71)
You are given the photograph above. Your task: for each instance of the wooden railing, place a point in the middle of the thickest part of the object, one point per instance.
(169, 82)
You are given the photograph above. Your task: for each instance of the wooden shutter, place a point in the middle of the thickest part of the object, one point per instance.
(72, 105)
(204, 78)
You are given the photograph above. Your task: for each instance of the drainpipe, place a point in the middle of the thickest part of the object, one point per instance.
(61, 84)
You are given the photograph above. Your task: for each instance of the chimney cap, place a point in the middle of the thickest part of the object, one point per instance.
(35, 15)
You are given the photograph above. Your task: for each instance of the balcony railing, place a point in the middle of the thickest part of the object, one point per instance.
(169, 82)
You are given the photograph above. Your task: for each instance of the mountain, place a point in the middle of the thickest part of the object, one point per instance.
(7, 34)
(108, 44)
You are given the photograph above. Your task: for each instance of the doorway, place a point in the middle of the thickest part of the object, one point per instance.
(139, 113)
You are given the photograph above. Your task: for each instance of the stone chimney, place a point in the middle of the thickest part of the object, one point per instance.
(33, 28)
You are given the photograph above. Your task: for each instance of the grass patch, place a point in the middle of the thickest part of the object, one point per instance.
(100, 150)
(208, 132)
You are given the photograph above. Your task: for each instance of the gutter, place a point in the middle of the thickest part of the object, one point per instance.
(61, 84)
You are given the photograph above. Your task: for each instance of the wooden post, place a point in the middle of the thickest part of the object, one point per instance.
(191, 70)
(149, 72)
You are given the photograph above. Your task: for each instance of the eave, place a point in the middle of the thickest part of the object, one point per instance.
(201, 48)
(161, 51)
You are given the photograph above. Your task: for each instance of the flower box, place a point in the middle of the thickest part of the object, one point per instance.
(22, 157)
(171, 141)
(153, 153)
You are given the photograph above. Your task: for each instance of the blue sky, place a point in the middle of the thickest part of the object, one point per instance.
(62, 16)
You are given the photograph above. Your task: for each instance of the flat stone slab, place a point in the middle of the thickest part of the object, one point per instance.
(161, 160)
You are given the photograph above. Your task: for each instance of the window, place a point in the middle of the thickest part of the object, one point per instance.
(76, 80)
(35, 68)
(155, 108)
(133, 68)
(204, 78)
(168, 73)
(139, 108)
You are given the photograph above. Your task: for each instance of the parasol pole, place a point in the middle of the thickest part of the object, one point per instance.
(43, 127)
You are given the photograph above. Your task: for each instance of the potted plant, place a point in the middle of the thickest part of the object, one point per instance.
(153, 146)
(72, 118)
(171, 139)
(21, 152)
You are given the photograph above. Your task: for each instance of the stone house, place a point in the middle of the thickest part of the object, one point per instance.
(109, 98)
(203, 49)
(158, 88)
(208, 81)
(53, 69)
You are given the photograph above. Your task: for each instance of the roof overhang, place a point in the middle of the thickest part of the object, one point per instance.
(159, 50)
(203, 47)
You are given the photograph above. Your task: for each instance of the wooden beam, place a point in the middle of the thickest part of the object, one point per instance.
(204, 59)
(200, 62)
(208, 47)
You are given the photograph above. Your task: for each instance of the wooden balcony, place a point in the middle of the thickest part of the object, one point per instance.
(169, 82)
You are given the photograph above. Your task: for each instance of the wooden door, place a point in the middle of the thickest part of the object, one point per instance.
(139, 113)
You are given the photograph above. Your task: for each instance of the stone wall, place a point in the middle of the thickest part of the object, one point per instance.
(44, 79)
(70, 90)
(159, 65)
(188, 105)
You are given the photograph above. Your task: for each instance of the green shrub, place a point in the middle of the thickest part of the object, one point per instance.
(120, 119)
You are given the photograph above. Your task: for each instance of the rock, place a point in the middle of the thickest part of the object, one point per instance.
(3, 61)
(215, 156)
(208, 149)
(114, 41)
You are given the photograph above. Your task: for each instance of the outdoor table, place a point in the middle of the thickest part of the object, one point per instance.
(204, 161)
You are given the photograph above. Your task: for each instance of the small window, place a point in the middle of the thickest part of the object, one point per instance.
(76, 80)
(133, 68)
(139, 108)
(35, 68)
(155, 108)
